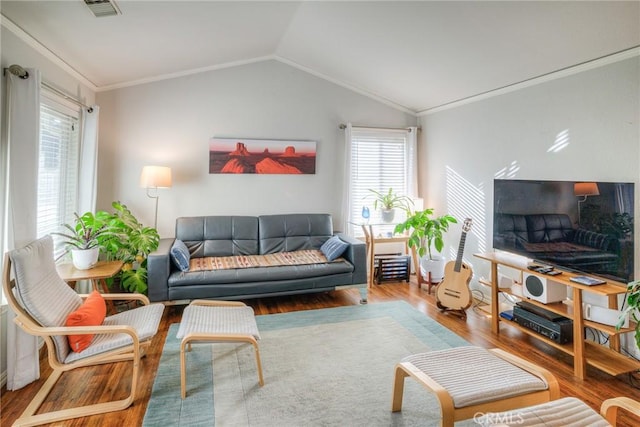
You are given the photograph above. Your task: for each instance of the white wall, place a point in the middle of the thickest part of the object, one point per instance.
(170, 123)
(593, 116)
(595, 113)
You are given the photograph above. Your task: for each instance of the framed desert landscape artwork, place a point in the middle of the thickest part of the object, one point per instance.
(261, 156)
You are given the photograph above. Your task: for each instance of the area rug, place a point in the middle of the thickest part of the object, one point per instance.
(329, 367)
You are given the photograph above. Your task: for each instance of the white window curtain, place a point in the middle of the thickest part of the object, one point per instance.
(411, 148)
(346, 193)
(88, 182)
(19, 228)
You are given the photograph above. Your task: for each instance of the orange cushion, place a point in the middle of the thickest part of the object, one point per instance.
(91, 313)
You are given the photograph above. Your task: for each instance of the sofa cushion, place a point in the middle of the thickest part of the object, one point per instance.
(549, 228)
(293, 232)
(333, 248)
(219, 235)
(180, 255)
(511, 231)
(259, 274)
(594, 240)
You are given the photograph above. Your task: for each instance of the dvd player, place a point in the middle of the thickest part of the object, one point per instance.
(559, 330)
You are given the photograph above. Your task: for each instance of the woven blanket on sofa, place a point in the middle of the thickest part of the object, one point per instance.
(251, 261)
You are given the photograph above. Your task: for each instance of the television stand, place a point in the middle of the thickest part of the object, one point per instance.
(584, 352)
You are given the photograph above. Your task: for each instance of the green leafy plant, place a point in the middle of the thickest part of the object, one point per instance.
(391, 200)
(87, 231)
(425, 231)
(130, 242)
(618, 225)
(632, 308)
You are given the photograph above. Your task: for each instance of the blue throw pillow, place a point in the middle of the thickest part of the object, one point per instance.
(333, 248)
(180, 255)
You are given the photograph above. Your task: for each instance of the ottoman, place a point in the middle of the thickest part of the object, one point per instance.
(216, 321)
(471, 380)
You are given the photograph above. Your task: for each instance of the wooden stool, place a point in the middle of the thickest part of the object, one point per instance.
(472, 380)
(216, 321)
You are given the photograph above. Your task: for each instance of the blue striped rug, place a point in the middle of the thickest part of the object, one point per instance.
(377, 335)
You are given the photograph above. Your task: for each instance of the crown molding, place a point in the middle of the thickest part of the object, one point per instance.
(553, 75)
(44, 51)
(192, 71)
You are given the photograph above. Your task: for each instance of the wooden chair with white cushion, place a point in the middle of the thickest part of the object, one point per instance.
(471, 380)
(43, 302)
(568, 411)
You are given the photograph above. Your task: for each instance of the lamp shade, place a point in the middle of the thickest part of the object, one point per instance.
(155, 177)
(586, 189)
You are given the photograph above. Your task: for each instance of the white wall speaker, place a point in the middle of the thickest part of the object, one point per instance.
(542, 289)
(604, 315)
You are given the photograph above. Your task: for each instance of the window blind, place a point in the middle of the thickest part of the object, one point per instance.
(57, 169)
(378, 162)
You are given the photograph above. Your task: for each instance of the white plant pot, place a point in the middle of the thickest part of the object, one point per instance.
(84, 259)
(388, 215)
(434, 266)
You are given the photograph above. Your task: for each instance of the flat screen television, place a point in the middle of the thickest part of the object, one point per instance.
(583, 227)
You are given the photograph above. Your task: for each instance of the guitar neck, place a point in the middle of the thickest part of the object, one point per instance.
(458, 265)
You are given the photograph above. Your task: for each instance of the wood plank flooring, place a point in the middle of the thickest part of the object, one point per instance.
(100, 383)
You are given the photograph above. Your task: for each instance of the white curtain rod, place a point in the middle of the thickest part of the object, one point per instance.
(17, 70)
(343, 126)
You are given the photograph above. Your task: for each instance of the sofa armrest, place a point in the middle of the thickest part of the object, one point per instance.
(356, 254)
(158, 270)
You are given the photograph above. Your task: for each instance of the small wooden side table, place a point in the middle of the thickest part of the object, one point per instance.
(96, 274)
(371, 239)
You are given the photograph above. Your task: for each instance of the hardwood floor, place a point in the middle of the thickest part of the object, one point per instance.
(100, 383)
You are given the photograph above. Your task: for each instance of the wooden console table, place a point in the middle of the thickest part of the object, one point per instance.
(584, 352)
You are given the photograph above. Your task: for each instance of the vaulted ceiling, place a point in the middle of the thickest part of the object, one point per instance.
(417, 55)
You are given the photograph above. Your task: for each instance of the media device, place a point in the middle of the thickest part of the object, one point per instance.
(542, 289)
(577, 226)
(559, 331)
(507, 314)
(606, 316)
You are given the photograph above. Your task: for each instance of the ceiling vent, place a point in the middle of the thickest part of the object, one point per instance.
(102, 8)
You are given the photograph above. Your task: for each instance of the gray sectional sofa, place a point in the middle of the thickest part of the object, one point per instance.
(238, 236)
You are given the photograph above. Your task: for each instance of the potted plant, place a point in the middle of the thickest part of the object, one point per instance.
(389, 201)
(130, 242)
(426, 234)
(632, 309)
(83, 238)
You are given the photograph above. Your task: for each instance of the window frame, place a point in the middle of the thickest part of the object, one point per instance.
(365, 167)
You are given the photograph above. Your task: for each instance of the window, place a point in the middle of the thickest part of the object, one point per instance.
(58, 166)
(379, 161)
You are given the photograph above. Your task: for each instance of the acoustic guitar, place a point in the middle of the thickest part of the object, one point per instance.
(453, 293)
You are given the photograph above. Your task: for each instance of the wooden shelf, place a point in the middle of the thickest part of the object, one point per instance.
(567, 348)
(609, 361)
(596, 355)
(584, 352)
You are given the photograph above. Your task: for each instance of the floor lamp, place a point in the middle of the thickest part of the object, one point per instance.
(152, 178)
(584, 190)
